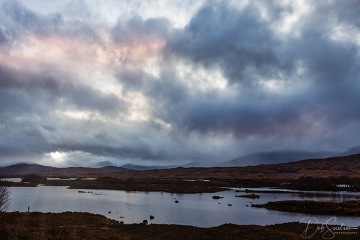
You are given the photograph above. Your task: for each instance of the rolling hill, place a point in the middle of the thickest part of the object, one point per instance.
(26, 169)
(273, 157)
(344, 166)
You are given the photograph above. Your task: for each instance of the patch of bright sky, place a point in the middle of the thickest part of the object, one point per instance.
(200, 78)
(345, 34)
(72, 158)
(162, 123)
(57, 157)
(81, 115)
(139, 108)
(288, 24)
(153, 66)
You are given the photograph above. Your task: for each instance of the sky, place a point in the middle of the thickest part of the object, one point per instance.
(157, 82)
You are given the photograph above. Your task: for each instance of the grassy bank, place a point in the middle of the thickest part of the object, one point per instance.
(349, 208)
(89, 226)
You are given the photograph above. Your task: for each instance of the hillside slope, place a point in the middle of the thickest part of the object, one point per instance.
(274, 157)
(348, 166)
(26, 169)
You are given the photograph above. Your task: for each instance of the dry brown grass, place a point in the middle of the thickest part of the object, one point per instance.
(89, 226)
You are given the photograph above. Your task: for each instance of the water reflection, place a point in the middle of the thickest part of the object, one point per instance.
(134, 207)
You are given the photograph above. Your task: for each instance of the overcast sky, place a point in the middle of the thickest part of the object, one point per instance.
(173, 82)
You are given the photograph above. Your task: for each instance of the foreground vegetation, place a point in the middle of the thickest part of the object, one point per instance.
(4, 199)
(349, 208)
(89, 226)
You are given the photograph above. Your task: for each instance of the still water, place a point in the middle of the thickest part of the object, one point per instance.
(134, 207)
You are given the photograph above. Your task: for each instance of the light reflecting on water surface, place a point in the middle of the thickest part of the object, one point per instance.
(134, 207)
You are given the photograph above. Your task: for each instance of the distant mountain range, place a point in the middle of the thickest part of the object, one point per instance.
(273, 157)
(29, 168)
(351, 151)
(143, 168)
(26, 169)
(261, 158)
(343, 166)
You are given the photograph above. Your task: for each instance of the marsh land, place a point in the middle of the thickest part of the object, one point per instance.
(309, 188)
(89, 226)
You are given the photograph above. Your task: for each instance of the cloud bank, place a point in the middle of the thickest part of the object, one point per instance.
(83, 82)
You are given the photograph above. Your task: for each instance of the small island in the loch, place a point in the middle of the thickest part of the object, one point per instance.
(348, 208)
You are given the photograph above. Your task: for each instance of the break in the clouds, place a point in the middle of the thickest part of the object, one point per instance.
(173, 82)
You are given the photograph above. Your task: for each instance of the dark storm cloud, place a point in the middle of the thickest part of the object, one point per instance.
(2, 36)
(237, 41)
(28, 100)
(333, 67)
(241, 119)
(18, 20)
(54, 89)
(21, 139)
(248, 51)
(345, 11)
(298, 90)
(132, 151)
(334, 70)
(132, 79)
(169, 88)
(251, 113)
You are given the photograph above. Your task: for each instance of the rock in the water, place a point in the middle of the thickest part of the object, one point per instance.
(216, 197)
